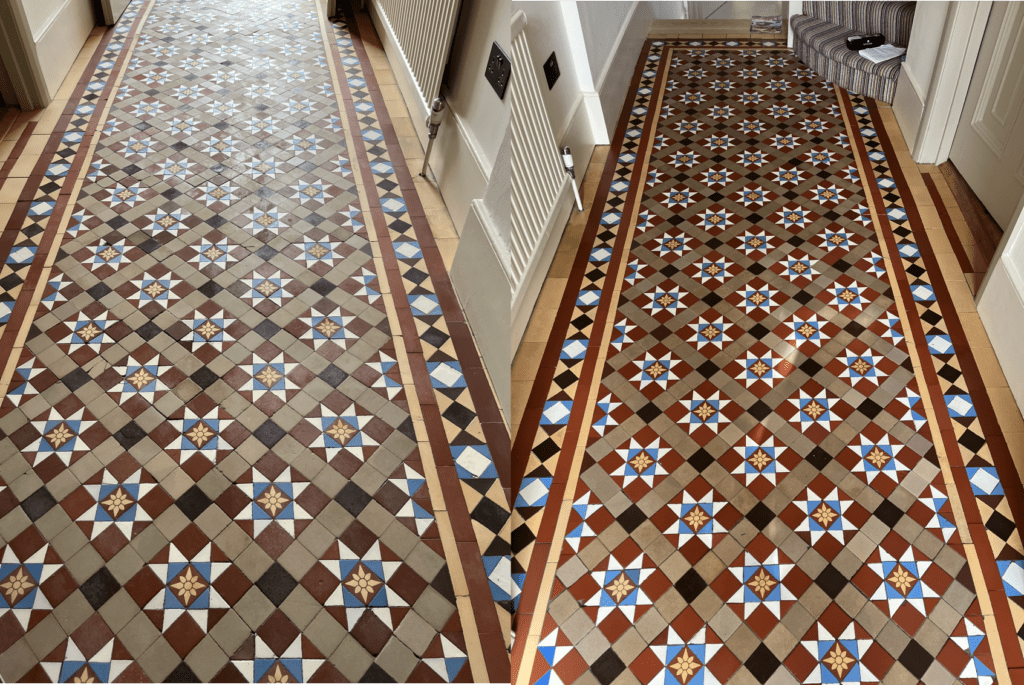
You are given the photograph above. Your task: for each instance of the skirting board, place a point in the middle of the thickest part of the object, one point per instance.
(908, 108)
(485, 293)
(1001, 309)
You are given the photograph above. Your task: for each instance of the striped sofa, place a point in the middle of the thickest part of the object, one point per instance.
(820, 42)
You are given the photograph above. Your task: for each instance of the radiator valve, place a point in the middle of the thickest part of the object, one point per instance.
(433, 122)
(571, 170)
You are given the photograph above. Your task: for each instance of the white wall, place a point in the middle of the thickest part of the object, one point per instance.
(912, 90)
(1001, 305)
(933, 83)
(597, 45)
(59, 36)
(672, 9)
(602, 23)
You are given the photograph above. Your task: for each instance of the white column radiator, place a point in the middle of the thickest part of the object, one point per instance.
(539, 182)
(423, 30)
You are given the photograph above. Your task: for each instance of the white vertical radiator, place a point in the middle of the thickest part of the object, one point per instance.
(539, 182)
(423, 31)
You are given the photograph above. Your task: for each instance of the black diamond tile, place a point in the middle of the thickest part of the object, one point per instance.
(100, 587)
(758, 331)
(148, 331)
(459, 415)
(760, 515)
(888, 513)
(631, 518)
(810, 367)
(322, 287)
(99, 291)
(490, 515)
(269, 433)
(916, 659)
(818, 458)
(759, 410)
(649, 412)
(210, 288)
(700, 460)
(38, 503)
(267, 329)
(129, 435)
(762, 663)
(276, 583)
(193, 502)
(707, 369)
(376, 674)
(333, 376)
(869, 408)
(353, 498)
(803, 297)
(1000, 525)
(76, 379)
(831, 581)
(204, 377)
(607, 667)
(182, 674)
(690, 585)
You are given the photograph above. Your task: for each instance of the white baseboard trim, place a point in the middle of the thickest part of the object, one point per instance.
(908, 108)
(1001, 309)
(485, 293)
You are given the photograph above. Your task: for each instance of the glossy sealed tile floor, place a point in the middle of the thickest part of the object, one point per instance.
(246, 432)
(758, 448)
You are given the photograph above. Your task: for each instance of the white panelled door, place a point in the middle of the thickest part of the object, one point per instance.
(988, 148)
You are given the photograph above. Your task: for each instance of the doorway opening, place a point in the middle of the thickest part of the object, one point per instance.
(738, 19)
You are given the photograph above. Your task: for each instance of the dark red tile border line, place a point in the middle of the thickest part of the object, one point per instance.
(589, 372)
(976, 387)
(492, 639)
(21, 314)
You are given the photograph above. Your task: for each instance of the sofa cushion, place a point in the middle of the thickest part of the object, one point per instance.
(828, 40)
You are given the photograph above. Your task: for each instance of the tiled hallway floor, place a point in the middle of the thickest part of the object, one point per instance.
(759, 447)
(245, 433)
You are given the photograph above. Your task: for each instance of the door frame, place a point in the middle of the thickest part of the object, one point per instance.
(21, 62)
(947, 93)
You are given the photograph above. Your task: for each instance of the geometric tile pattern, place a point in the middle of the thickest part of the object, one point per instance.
(209, 464)
(804, 524)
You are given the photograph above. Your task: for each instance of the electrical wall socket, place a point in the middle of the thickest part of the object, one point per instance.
(499, 70)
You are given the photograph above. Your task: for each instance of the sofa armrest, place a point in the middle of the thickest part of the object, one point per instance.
(892, 19)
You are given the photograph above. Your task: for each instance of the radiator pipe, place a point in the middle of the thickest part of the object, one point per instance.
(433, 124)
(571, 170)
